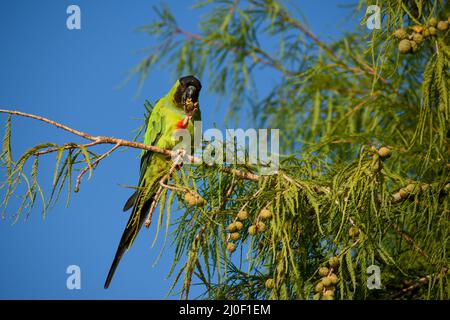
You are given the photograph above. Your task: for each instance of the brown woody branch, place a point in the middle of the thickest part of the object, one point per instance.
(117, 142)
(256, 53)
(420, 282)
(410, 241)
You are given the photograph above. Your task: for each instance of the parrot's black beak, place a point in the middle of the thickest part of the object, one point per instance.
(191, 93)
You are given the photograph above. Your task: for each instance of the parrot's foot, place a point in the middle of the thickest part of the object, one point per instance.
(178, 158)
(193, 110)
(181, 156)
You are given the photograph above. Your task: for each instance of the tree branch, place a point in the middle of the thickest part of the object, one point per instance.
(53, 123)
(97, 140)
(422, 281)
(410, 241)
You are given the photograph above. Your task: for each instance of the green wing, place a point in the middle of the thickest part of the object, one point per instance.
(154, 131)
(160, 122)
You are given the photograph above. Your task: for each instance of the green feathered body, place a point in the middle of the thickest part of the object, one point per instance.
(163, 122)
(165, 119)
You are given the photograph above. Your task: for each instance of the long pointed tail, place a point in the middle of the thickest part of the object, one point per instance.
(131, 230)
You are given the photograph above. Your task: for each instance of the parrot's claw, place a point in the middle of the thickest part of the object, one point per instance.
(178, 162)
(181, 152)
(191, 114)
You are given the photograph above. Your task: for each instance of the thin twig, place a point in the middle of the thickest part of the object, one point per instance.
(269, 60)
(93, 165)
(422, 281)
(53, 123)
(171, 187)
(241, 174)
(176, 163)
(148, 221)
(68, 146)
(410, 241)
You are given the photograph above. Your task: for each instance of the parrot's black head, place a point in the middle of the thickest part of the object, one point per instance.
(187, 92)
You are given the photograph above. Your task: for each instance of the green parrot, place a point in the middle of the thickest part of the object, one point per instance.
(176, 110)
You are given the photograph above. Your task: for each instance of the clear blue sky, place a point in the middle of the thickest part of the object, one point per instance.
(74, 77)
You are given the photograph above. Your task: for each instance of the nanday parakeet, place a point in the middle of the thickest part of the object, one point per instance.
(171, 113)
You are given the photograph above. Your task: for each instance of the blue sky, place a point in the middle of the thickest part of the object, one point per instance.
(74, 77)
